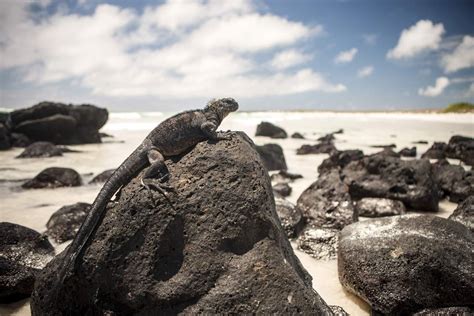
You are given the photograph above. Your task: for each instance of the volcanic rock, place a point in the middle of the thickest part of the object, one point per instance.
(65, 222)
(297, 135)
(282, 189)
(290, 217)
(285, 176)
(54, 177)
(102, 177)
(41, 149)
(464, 213)
(402, 264)
(213, 245)
(320, 148)
(319, 243)
(411, 182)
(340, 159)
(378, 207)
(272, 156)
(270, 130)
(408, 152)
(327, 203)
(23, 253)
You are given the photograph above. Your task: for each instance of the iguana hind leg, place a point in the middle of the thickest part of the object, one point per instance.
(157, 167)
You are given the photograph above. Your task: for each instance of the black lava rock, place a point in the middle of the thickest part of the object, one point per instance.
(272, 156)
(54, 177)
(213, 246)
(270, 130)
(283, 189)
(23, 253)
(464, 213)
(327, 203)
(319, 243)
(102, 177)
(41, 150)
(379, 207)
(408, 152)
(65, 222)
(290, 217)
(402, 264)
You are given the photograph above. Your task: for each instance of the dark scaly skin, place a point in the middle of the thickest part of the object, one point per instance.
(171, 137)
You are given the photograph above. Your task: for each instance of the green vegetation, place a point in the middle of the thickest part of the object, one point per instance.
(461, 107)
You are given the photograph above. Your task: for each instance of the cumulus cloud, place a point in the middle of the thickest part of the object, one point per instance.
(462, 57)
(289, 58)
(422, 37)
(179, 49)
(365, 72)
(370, 39)
(438, 88)
(345, 56)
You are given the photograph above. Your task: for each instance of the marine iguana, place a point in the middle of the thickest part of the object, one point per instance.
(171, 137)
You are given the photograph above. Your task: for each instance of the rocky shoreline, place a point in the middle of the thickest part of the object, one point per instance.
(225, 200)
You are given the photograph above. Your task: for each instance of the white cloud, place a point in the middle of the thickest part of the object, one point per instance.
(179, 49)
(433, 91)
(365, 72)
(421, 37)
(346, 56)
(289, 58)
(370, 39)
(462, 57)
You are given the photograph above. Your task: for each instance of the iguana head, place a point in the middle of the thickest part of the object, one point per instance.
(222, 107)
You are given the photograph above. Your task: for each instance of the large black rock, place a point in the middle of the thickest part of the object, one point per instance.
(462, 148)
(411, 182)
(5, 142)
(213, 246)
(54, 177)
(464, 213)
(23, 253)
(327, 203)
(453, 181)
(65, 222)
(60, 123)
(319, 148)
(272, 156)
(402, 264)
(270, 130)
(379, 207)
(340, 159)
(41, 150)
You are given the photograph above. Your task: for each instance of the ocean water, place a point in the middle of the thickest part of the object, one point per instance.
(32, 208)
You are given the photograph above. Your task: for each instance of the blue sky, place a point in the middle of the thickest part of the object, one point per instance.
(170, 55)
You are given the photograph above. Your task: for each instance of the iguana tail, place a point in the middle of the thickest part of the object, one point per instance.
(121, 176)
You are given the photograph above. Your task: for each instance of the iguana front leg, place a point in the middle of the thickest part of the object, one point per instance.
(210, 130)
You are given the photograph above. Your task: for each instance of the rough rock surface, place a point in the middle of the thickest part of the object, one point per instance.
(387, 152)
(408, 152)
(327, 203)
(436, 151)
(147, 255)
(54, 177)
(273, 157)
(320, 148)
(60, 123)
(453, 181)
(446, 311)
(379, 207)
(297, 135)
(464, 213)
(65, 222)
(41, 149)
(5, 142)
(411, 182)
(462, 148)
(290, 217)
(340, 159)
(20, 140)
(270, 130)
(319, 243)
(103, 176)
(402, 264)
(23, 252)
(285, 176)
(282, 189)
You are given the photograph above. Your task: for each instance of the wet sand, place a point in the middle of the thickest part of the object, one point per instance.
(361, 130)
